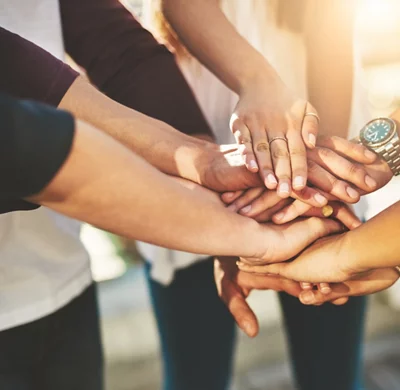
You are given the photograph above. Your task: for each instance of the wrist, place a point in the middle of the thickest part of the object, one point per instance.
(260, 73)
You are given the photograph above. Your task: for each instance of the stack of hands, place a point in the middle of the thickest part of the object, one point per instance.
(307, 227)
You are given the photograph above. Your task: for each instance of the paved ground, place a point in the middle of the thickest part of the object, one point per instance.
(132, 347)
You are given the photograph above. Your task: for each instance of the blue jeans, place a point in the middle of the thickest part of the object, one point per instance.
(198, 336)
(59, 352)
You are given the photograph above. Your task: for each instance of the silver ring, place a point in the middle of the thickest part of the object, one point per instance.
(312, 114)
(397, 268)
(278, 138)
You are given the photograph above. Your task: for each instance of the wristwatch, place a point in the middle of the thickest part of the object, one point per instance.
(380, 135)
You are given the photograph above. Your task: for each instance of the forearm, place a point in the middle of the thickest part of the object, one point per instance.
(376, 243)
(126, 63)
(104, 184)
(161, 145)
(208, 34)
(329, 47)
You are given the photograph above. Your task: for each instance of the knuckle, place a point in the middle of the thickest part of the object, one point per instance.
(325, 153)
(298, 152)
(262, 146)
(280, 153)
(312, 166)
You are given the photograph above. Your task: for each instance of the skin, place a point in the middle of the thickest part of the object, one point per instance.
(190, 158)
(258, 119)
(102, 181)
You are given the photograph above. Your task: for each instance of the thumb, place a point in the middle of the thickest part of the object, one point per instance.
(240, 310)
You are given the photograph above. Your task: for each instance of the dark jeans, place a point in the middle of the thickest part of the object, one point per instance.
(198, 336)
(59, 352)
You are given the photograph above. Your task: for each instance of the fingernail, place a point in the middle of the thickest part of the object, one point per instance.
(306, 286)
(356, 224)
(228, 195)
(352, 193)
(271, 179)
(253, 164)
(370, 155)
(370, 182)
(298, 182)
(246, 209)
(279, 216)
(307, 297)
(284, 187)
(311, 139)
(320, 199)
(325, 289)
(248, 328)
(327, 211)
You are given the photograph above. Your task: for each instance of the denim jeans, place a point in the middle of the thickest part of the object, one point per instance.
(197, 336)
(59, 352)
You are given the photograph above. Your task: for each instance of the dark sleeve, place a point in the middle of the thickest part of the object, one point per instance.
(125, 62)
(35, 140)
(30, 72)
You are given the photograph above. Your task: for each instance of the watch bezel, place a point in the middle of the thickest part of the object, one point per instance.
(393, 130)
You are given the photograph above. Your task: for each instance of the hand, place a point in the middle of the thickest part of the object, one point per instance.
(235, 286)
(367, 283)
(262, 204)
(269, 122)
(224, 171)
(277, 243)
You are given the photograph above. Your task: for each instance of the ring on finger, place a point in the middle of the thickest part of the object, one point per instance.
(312, 114)
(277, 138)
(327, 211)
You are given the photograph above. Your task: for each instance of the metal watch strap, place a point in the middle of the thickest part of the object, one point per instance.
(391, 154)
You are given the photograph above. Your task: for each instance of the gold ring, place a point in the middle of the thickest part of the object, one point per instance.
(327, 211)
(312, 114)
(277, 138)
(397, 268)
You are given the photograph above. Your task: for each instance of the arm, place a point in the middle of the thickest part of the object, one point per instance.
(257, 118)
(105, 184)
(329, 46)
(127, 64)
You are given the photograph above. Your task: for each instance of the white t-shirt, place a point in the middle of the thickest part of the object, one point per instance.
(285, 51)
(43, 264)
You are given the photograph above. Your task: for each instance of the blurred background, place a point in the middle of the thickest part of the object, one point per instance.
(129, 332)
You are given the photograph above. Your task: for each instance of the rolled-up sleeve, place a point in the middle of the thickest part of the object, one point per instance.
(35, 141)
(126, 62)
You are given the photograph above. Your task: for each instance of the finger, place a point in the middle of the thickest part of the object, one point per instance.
(266, 215)
(342, 168)
(244, 201)
(240, 310)
(306, 286)
(263, 153)
(243, 137)
(310, 125)
(324, 288)
(265, 201)
(327, 182)
(229, 197)
(281, 162)
(340, 301)
(354, 151)
(337, 210)
(298, 159)
(305, 232)
(291, 212)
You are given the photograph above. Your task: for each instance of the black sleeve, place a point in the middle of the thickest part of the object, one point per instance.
(35, 140)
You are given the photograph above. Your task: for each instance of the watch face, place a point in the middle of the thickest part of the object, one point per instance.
(378, 131)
